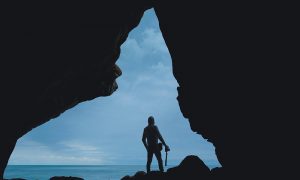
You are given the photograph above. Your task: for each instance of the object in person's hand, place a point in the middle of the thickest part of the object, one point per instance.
(167, 148)
(160, 146)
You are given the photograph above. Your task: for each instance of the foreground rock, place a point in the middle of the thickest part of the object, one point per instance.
(65, 178)
(191, 167)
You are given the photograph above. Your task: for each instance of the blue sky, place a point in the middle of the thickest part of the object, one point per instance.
(108, 130)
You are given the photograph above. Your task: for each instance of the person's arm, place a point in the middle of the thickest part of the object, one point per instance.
(167, 148)
(144, 139)
(160, 136)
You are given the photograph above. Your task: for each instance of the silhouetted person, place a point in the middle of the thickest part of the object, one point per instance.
(152, 134)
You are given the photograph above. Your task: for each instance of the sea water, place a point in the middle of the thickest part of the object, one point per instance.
(99, 172)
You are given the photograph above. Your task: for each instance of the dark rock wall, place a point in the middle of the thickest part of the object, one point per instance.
(55, 55)
(236, 72)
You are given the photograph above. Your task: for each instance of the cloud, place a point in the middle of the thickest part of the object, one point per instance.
(76, 146)
(160, 67)
(132, 50)
(33, 152)
(153, 41)
(156, 77)
(150, 43)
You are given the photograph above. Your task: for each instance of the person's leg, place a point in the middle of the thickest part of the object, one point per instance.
(149, 160)
(160, 161)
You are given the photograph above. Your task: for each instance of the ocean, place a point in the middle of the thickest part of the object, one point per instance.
(99, 172)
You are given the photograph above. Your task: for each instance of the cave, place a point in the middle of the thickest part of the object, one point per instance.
(229, 60)
(106, 132)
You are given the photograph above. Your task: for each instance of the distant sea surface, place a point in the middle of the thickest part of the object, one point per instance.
(101, 172)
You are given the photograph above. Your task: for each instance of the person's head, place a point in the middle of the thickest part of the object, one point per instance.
(151, 120)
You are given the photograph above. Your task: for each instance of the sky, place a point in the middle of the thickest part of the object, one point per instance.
(108, 130)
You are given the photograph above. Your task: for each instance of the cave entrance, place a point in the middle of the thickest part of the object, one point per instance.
(108, 130)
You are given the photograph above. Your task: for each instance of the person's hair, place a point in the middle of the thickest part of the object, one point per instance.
(150, 120)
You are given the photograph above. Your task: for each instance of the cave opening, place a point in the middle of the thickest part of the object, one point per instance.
(108, 130)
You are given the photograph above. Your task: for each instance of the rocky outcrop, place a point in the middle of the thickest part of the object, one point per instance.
(191, 167)
(65, 178)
